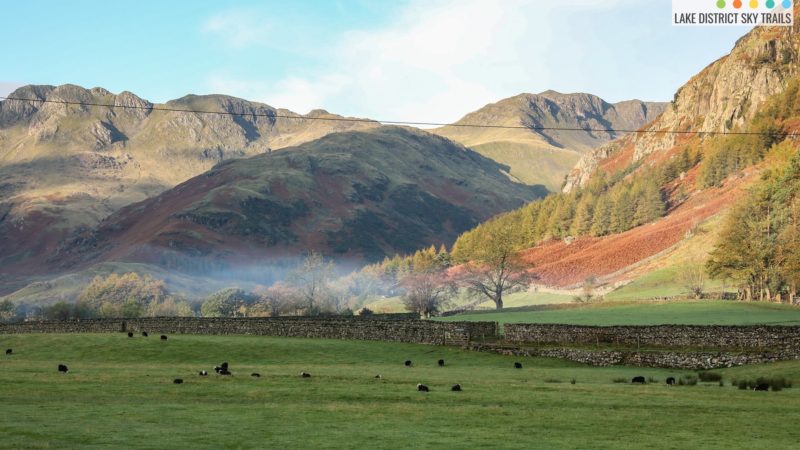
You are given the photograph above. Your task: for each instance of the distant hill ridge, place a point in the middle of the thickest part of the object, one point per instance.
(545, 156)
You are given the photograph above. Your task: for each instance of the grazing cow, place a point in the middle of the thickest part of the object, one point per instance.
(203, 373)
(422, 388)
(144, 334)
(177, 381)
(217, 369)
(130, 334)
(638, 380)
(9, 351)
(518, 365)
(255, 374)
(408, 363)
(671, 381)
(456, 388)
(441, 363)
(305, 375)
(761, 387)
(62, 368)
(378, 376)
(224, 365)
(224, 372)
(163, 337)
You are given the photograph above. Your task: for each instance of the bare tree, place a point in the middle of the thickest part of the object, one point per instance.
(277, 299)
(693, 278)
(497, 269)
(311, 279)
(587, 290)
(427, 292)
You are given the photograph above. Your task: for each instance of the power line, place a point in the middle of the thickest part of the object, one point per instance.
(402, 122)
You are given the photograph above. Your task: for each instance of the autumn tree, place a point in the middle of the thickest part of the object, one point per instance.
(427, 292)
(231, 302)
(7, 310)
(125, 295)
(277, 300)
(497, 269)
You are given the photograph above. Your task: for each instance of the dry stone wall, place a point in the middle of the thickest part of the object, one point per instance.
(413, 331)
(667, 359)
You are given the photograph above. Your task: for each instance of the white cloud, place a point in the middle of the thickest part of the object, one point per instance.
(436, 61)
(239, 28)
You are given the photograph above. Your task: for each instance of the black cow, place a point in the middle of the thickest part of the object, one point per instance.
(407, 363)
(163, 337)
(255, 374)
(217, 369)
(224, 365)
(225, 372)
(422, 388)
(761, 387)
(62, 368)
(441, 363)
(305, 375)
(638, 380)
(203, 373)
(456, 388)
(9, 351)
(671, 381)
(378, 376)
(518, 365)
(177, 381)
(144, 334)
(130, 334)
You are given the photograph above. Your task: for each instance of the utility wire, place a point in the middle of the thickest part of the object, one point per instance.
(401, 122)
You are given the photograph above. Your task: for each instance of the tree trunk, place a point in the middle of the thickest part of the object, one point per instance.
(498, 303)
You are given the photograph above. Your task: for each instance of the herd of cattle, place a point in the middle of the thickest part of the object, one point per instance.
(223, 370)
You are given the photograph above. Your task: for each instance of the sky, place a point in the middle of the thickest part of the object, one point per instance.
(406, 60)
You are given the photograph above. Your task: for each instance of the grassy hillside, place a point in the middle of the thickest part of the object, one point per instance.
(357, 195)
(119, 393)
(704, 312)
(531, 164)
(537, 156)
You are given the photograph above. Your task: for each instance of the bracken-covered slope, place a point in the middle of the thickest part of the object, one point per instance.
(745, 91)
(724, 96)
(65, 167)
(546, 156)
(359, 195)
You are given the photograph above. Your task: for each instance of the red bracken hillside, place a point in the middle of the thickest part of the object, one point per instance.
(734, 93)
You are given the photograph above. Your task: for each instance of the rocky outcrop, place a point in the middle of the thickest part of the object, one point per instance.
(722, 97)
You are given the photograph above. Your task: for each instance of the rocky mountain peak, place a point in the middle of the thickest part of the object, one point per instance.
(722, 97)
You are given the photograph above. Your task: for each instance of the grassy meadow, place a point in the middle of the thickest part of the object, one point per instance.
(701, 312)
(119, 394)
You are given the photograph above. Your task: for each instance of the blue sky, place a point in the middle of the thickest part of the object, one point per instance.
(417, 60)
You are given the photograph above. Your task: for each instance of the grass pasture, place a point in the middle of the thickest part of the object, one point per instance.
(119, 394)
(701, 312)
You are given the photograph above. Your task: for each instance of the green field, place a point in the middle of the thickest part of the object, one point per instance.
(119, 394)
(704, 312)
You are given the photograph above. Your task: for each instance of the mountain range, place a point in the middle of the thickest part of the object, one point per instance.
(72, 160)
